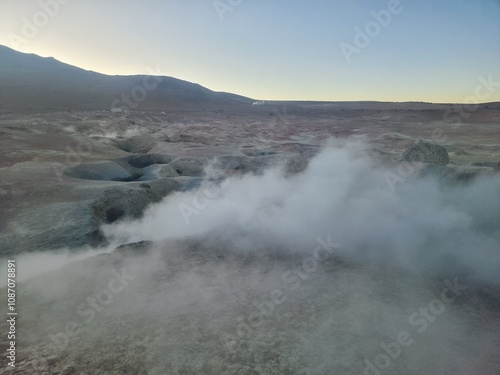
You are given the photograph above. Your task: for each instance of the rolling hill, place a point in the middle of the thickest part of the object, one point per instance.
(32, 83)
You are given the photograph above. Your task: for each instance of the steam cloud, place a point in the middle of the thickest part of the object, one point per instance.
(422, 225)
(226, 278)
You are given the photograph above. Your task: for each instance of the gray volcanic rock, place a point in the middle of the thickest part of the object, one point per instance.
(76, 224)
(258, 152)
(238, 163)
(246, 164)
(485, 164)
(137, 248)
(105, 171)
(143, 161)
(131, 200)
(450, 175)
(184, 167)
(425, 152)
(58, 225)
(291, 163)
(296, 164)
(137, 144)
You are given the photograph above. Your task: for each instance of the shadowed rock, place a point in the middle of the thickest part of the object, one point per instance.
(449, 175)
(425, 152)
(131, 200)
(184, 167)
(104, 171)
(137, 144)
(137, 248)
(245, 163)
(143, 161)
(485, 164)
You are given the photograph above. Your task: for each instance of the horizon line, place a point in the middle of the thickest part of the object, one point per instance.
(250, 98)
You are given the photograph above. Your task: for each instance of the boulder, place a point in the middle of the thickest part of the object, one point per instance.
(425, 152)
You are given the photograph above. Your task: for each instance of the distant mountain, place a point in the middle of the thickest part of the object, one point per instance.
(30, 82)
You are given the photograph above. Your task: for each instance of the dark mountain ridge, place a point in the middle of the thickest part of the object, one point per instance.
(30, 82)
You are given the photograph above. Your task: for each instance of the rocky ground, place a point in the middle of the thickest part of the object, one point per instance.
(63, 175)
(82, 169)
(193, 307)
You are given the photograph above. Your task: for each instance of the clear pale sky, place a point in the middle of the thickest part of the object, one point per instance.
(430, 50)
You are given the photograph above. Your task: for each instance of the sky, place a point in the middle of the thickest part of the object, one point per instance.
(338, 50)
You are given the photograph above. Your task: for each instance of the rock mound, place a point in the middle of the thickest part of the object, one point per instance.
(425, 152)
(146, 160)
(103, 171)
(184, 167)
(130, 201)
(137, 144)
